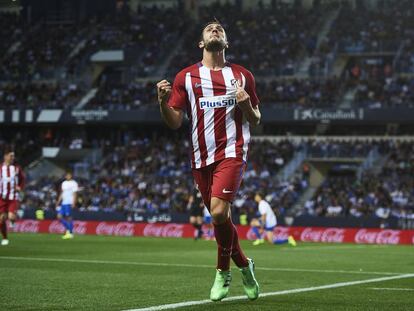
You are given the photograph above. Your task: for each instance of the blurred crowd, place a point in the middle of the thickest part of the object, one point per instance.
(295, 93)
(284, 33)
(44, 65)
(362, 29)
(389, 192)
(153, 175)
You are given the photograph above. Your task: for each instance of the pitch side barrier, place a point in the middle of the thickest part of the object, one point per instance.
(321, 138)
(151, 115)
(173, 230)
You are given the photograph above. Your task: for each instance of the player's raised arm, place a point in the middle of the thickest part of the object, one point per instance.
(171, 116)
(251, 113)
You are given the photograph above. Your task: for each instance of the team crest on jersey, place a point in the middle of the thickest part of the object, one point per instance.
(234, 82)
(214, 102)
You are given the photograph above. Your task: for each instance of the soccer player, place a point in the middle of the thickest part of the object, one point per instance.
(66, 201)
(221, 102)
(208, 221)
(11, 183)
(196, 206)
(266, 223)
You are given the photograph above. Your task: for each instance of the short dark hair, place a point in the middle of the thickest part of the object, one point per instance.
(213, 21)
(7, 149)
(261, 193)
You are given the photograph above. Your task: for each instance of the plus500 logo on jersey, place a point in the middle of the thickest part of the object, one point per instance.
(217, 102)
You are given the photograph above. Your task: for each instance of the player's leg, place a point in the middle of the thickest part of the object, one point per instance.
(61, 217)
(3, 222)
(269, 235)
(255, 225)
(13, 206)
(3, 227)
(193, 222)
(224, 233)
(199, 226)
(227, 177)
(208, 221)
(203, 179)
(69, 221)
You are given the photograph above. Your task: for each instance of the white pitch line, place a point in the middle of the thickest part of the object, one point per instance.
(333, 247)
(160, 264)
(283, 292)
(391, 288)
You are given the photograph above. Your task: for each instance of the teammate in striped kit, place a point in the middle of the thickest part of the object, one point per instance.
(221, 102)
(11, 183)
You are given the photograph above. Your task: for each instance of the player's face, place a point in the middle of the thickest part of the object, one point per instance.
(68, 176)
(9, 157)
(214, 38)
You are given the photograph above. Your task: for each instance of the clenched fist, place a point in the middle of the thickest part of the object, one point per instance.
(242, 98)
(163, 91)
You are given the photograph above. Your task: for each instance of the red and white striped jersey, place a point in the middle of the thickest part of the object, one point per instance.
(11, 176)
(218, 127)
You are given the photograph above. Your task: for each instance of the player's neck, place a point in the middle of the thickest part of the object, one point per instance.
(213, 60)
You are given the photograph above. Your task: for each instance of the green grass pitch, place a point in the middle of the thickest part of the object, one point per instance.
(43, 272)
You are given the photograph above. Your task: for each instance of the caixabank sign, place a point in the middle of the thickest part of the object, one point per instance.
(328, 115)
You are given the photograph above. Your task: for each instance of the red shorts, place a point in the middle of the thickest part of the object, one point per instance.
(221, 179)
(8, 206)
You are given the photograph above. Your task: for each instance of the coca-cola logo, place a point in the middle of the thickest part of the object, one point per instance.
(164, 230)
(29, 226)
(56, 227)
(251, 235)
(311, 235)
(122, 229)
(281, 233)
(80, 227)
(333, 235)
(365, 236)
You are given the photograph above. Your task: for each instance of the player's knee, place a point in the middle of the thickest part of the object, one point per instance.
(219, 210)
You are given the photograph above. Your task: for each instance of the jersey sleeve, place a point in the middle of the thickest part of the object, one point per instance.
(262, 208)
(22, 178)
(75, 186)
(251, 88)
(178, 98)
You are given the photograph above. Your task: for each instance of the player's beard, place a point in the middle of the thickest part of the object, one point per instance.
(215, 45)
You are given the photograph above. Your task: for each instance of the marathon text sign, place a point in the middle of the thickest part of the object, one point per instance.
(173, 230)
(328, 114)
(90, 115)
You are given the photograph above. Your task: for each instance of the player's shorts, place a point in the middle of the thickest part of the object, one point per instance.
(208, 220)
(65, 210)
(267, 228)
(221, 179)
(9, 206)
(196, 211)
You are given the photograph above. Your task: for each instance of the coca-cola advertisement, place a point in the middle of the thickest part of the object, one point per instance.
(172, 230)
(121, 229)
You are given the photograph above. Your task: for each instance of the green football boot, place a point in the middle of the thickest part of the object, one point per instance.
(251, 287)
(221, 285)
